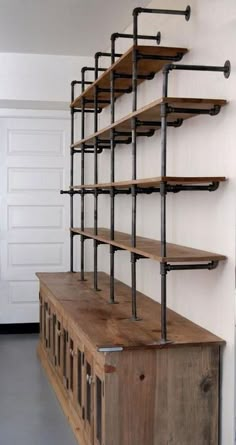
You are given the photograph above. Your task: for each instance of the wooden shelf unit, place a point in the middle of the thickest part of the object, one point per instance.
(126, 369)
(152, 114)
(153, 182)
(124, 66)
(99, 362)
(149, 248)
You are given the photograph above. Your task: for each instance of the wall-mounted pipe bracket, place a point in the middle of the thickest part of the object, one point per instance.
(208, 266)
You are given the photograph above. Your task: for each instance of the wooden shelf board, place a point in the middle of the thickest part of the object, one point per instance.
(150, 248)
(106, 325)
(152, 112)
(153, 182)
(124, 65)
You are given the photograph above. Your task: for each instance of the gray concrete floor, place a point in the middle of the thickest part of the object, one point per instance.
(29, 411)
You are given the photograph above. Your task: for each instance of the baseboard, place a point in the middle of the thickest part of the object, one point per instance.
(19, 328)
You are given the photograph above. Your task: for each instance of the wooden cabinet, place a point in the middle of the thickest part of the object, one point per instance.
(117, 384)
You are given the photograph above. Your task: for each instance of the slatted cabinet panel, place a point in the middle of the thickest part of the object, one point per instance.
(99, 406)
(40, 317)
(79, 378)
(59, 345)
(88, 387)
(65, 357)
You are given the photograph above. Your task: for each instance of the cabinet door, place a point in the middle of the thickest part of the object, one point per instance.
(88, 395)
(99, 405)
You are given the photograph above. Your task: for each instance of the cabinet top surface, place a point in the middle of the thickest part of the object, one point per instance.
(106, 325)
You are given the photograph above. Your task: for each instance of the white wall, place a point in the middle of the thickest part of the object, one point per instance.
(202, 146)
(38, 77)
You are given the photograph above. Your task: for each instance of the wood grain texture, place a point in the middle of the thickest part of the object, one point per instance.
(152, 112)
(100, 324)
(124, 65)
(171, 397)
(153, 182)
(150, 248)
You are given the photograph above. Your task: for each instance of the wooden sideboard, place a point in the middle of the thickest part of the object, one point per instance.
(116, 382)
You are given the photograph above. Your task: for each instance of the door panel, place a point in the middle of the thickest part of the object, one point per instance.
(34, 166)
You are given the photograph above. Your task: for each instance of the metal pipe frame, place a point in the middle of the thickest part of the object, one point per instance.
(73, 83)
(165, 110)
(136, 58)
(145, 190)
(117, 35)
(185, 13)
(95, 243)
(87, 110)
(112, 192)
(225, 69)
(149, 76)
(82, 159)
(134, 167)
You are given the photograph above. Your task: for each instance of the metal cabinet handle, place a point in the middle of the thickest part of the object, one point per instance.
(72, 353)
(89, 379)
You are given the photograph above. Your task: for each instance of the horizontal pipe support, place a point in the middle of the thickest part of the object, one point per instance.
(186, 13)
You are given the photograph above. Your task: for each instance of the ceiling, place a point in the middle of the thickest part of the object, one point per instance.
(63, 27)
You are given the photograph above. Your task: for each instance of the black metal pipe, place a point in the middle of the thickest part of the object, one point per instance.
(176, 58)
(163, 222)
(185, 13)
(71, 180)
(97, 55)
(116, 90)
(82, 159)
(112, 194)
(163, 303)
(139, 77)
(156, 38)
(99, 101)
(134, 165)
(209, 266)
(91, 68)
(212, 111)
(225, 69)
(86, 110)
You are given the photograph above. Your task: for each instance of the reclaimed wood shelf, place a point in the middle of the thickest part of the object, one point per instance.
(151, 113)
(153, 182)
(124, 66)
(113, 327)
(149, 248)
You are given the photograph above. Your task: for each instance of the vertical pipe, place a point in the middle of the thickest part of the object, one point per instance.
(71, 182)
(134, 164)
(163, 212)
(113, 49)
(112, 195)
(82, 253)
(95, 244)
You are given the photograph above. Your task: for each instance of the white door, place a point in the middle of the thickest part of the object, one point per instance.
(34, 217)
